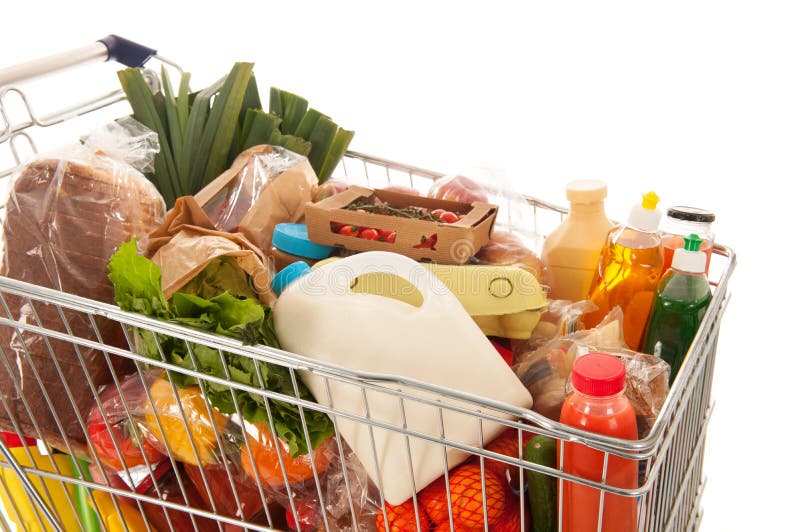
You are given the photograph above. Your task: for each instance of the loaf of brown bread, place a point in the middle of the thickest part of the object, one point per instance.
(63, 221)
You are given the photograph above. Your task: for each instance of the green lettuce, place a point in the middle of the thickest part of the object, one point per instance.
(217, 301)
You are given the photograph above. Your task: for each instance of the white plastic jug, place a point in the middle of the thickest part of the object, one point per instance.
(318, 316)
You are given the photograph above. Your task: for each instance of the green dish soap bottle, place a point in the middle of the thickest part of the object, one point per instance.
(681, 301)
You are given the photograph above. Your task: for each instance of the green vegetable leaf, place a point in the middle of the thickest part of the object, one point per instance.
(137, 282)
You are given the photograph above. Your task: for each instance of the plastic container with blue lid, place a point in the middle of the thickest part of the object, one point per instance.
(290, 244)
(288, 274)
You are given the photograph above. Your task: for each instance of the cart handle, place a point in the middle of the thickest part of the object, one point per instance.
(111, 47)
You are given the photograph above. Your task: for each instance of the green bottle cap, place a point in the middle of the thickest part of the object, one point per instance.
(692, 242)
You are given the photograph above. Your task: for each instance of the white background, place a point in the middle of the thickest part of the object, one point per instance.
(699, 101)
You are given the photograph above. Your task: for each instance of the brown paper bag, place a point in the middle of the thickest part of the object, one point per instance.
(265, 186)
(187, 242)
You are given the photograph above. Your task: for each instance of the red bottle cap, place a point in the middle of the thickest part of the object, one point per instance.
(598, 374)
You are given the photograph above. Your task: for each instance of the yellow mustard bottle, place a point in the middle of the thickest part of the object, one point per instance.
(628, 271)
(571, 252)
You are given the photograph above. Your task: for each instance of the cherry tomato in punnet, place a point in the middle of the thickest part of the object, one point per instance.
(348, 230)
(448, 217)
(368, 233)
(387, 235)
(437, 213)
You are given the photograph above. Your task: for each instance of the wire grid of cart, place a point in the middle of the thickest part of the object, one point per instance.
(670, 458)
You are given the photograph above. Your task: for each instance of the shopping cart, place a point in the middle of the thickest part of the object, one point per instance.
(40, 492)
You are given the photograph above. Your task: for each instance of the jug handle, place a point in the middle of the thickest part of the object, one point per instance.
(431, 288)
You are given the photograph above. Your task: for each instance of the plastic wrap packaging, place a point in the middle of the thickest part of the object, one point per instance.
(66, 214)
(546, 370)
(561, 318)
(340, 509)
(329, 188)
(265, 186)
(293, 486)
(136, 426)
(170, 485)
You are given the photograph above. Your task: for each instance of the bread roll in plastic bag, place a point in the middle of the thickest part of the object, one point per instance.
(65, 215)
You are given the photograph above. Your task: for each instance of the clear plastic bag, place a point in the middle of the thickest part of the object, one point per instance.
(546, 370)
(265, 186)
(66, 214)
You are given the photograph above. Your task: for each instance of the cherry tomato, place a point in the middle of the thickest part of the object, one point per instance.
(368, 233)
(448, 217)
(102, 436)
(307, 515)
(437, 213)
(335, 226)
(386, 235)
(348, 230)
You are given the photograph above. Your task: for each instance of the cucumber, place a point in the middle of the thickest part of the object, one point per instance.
(542, 487)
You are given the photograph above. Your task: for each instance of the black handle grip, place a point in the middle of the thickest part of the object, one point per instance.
(127, 52)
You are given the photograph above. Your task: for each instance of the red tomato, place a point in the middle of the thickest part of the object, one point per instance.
(335, 226)
(385, 235)
(348, 230)
(437, 213)
(103, 443)
(448, 217)
(307, 515)
(102, 436)
(368, 233)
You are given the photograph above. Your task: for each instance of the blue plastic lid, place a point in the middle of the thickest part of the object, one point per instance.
(293, 239)
(285, 277)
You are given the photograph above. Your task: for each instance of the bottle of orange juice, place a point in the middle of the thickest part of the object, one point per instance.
(571, 251)
(628, 271)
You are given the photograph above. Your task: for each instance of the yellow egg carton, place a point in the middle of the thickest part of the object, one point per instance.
(504, 301)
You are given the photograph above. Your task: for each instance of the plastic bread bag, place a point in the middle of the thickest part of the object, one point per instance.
(265, 186)
(545, 370)
(66, 214)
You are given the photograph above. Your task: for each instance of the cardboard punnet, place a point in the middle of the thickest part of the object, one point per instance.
(438, 242)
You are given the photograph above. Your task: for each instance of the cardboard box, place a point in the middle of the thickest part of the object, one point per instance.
(423, 240)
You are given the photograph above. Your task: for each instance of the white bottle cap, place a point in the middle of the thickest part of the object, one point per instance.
(645, 217)
(690, 259)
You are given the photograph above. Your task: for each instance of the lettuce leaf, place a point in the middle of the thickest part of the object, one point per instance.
(137, 283)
